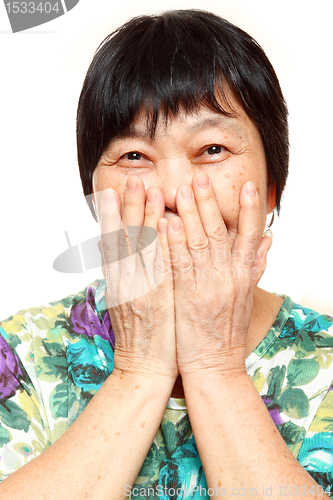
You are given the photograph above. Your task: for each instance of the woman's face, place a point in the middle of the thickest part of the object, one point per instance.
(228, 149)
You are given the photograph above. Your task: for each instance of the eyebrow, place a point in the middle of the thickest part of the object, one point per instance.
(229, 124)
(224, 122)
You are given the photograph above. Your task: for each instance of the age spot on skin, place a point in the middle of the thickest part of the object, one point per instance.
(143, 424)
(137, 387)
(117, 434)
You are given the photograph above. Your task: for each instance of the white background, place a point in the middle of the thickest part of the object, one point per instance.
(42, 71)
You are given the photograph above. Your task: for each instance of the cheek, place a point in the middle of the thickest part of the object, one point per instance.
(227, 190)
(104, 179)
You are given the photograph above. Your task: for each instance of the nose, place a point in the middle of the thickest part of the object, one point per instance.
(172, 174)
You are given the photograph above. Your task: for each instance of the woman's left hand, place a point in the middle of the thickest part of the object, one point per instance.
(214, 280)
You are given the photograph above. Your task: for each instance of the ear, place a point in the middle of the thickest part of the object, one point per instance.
(271, 199)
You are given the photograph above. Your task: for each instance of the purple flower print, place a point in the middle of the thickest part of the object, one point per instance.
(85, 319)
(274, 410)
(9, 370)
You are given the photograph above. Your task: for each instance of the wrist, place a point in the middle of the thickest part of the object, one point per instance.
(227, 366)
(212, 362)
(205, 381)
(151, 382)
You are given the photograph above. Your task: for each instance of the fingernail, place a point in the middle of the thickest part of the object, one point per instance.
(250, 188)
(131, 184)
(203, 181)
(108, 197)
(186, 192)
(176, 224)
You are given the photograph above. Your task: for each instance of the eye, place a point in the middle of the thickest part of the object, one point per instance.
(132, 155)
(212, 153)
(214, 150)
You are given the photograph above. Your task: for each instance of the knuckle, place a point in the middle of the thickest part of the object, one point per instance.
(218, 234)
(190, 210)
(176, 251)
(252, 237)
(130, 201)
(207, 196)
(199, 244)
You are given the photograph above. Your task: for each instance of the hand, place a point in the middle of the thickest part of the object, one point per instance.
(142, 313)
(214, 280)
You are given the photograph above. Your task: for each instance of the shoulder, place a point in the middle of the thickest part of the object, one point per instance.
(46, 373)
(311, 328)
(38, 343)
(46, 319)
(56, 351)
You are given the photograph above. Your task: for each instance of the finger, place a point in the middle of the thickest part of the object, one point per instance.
(181, 259)
(211, 219)
(112, 199)
(260, 262)
(134, 202)
(110, 224)
(132, 220)
(249, 226)
(147, 244)
(197, 241)
(110, 301)
(163, 268)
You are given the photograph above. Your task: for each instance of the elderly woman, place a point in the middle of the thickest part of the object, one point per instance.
(176, 376)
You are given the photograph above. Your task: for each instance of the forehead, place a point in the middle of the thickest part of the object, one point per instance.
(202, 119)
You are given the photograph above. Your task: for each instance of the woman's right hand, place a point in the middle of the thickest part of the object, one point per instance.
(140, 299)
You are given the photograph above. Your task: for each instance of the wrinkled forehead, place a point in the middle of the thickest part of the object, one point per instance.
(228, 114)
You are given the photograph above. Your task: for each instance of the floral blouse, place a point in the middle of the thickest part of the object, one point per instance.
(54, 358)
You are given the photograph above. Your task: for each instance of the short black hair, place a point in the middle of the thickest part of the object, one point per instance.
(176, 61)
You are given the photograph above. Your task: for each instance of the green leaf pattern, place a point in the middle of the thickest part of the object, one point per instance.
(56, 356)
